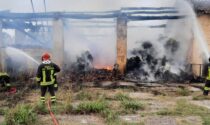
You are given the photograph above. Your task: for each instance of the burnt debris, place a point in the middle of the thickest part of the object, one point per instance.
(146, 66)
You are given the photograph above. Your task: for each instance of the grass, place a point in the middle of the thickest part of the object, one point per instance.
(91, 107)
(68, 107)
(121, 97)
(84, 96)
(183, 92)
(131, 106)
(110, 116)
(3, 111)
(40, 108)
(201, 97)
(21, 115)
(183, 108)
(164, 112)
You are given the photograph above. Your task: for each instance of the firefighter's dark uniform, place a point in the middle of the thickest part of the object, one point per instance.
(207, 74)
(5, 80)
(45, 76)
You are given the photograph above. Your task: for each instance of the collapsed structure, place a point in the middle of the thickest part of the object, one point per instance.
(33, 23)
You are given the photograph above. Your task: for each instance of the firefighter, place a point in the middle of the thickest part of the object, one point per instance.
(46, 77)
(5, 81)
(207, 74)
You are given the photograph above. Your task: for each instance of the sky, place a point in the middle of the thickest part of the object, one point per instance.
(78, 5)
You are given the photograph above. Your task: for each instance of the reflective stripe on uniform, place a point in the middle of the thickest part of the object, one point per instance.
(42, 99)
(44, 75)
(208, 76)
(47, 83)
(38, 79)
(8, 85)
(51, 75)
(43, 82)
(53, 98)
(3, 74)
(55, 85)
(206, 88)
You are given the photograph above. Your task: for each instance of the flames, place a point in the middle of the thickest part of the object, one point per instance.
(103, 67)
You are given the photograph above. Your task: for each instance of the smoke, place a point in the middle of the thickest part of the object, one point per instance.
(79, 5)
(201, 4)
(100, 42)
(166, 57)
(18, 62)
(151, 51)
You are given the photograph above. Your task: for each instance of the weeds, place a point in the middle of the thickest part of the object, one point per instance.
(183, 108)
(131, 106)
(183, 92)
(201, 97)
(40, 108)
(109, 115)
(165, 112)
(84, 96)
(21, 115)
(122, 97)
(91, 107)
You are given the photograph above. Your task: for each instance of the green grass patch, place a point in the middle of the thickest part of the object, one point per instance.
(121, 97)
(109, 115)
(91, 107)
(131, 106)
(21, 115)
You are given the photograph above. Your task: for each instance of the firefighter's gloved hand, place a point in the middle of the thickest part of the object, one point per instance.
(56, 87)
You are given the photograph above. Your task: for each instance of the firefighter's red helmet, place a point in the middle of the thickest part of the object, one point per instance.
(45, 56)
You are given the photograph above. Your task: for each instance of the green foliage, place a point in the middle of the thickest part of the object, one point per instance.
(206, 119)
(91, 107)
(132, 106)
(21, 115)
(122, 97)
(109, 115)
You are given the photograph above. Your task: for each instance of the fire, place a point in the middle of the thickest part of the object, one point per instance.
(108, 68)
(104, 67)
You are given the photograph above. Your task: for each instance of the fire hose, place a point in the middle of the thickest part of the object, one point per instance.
(51, 113)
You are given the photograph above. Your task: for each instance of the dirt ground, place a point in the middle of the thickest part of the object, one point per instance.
(161, 104)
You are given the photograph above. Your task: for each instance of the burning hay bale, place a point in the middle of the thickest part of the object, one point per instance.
(148, 65)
